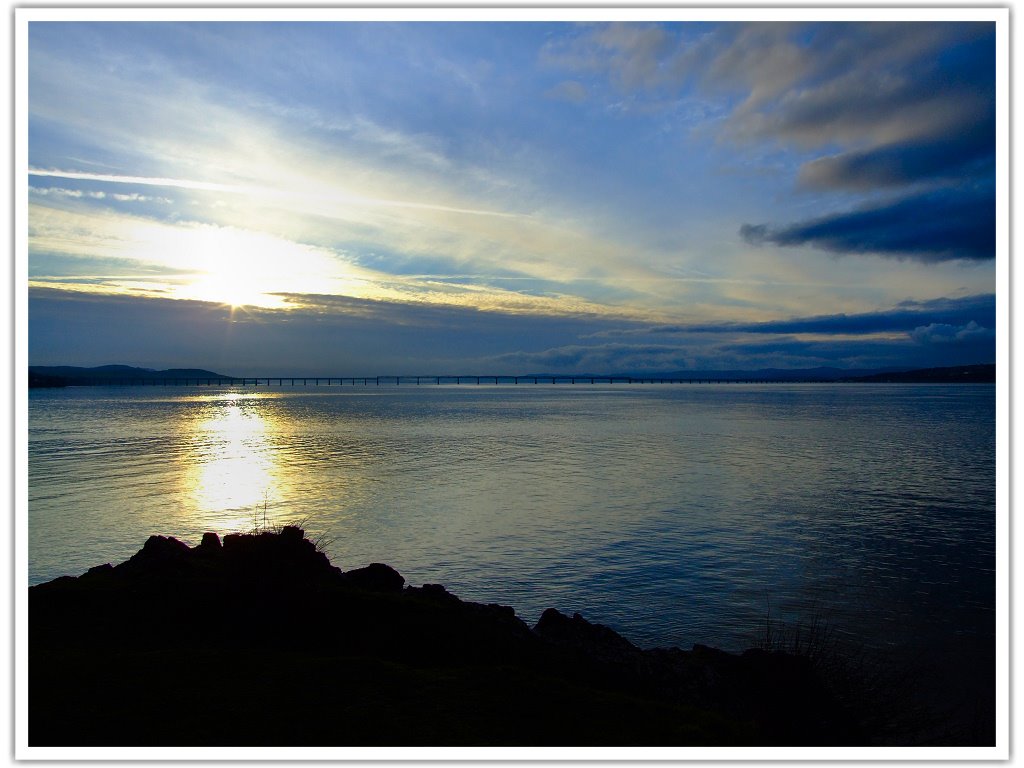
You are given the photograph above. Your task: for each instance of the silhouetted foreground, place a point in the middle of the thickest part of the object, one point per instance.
(261, 641)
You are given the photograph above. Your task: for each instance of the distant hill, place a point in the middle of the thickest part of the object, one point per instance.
(38, 380)
(760, 374)
(70, 375)
(962, 374)
(822, 373)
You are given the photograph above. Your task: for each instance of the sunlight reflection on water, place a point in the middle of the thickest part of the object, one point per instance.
(230, 473)
(675, 515)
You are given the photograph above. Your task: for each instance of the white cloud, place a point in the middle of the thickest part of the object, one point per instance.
(941, 333)
(62, 192)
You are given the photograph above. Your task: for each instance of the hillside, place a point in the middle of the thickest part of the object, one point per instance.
(69, 375)
(960, 374)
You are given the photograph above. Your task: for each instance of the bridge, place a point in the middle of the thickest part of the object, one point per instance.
(377, 381)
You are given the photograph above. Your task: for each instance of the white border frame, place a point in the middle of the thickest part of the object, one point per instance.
(1001, 17)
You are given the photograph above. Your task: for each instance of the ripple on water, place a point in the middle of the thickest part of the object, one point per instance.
(676, 515)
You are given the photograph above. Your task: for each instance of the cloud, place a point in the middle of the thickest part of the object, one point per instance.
(572, 91)
(636, 51)
(739, 352)
(898, 106)
(906, 317)
(879, 97)
(135, 197)
(335, 197)
(385, 337)
(969, 152)
(323, 335)
(598, 358)
(942, 225)
(942, 333)
(811, 83)
(632, 54)
(62, 192)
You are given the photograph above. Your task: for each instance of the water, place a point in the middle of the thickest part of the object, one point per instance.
(675, 514)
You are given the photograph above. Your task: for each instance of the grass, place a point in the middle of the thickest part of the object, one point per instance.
(260, 525)
(880, 693)
(814, 639)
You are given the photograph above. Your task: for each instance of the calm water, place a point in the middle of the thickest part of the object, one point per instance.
(675, 514)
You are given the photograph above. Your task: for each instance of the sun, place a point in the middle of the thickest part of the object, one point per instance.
(244, 268)
(235, 290)
(241, 267)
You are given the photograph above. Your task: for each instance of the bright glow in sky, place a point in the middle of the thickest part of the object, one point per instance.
(356, 197)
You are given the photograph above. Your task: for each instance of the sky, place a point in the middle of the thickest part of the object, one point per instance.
(425, 198)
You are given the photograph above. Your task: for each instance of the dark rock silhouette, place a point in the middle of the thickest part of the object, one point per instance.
(259, 640)
(592, 640)
(377, 577)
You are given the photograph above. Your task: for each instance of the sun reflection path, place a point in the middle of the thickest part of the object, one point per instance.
(231, 475)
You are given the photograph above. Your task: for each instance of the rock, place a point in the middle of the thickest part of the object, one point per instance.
(505, 611)
(435, 592)
(99, 570)
(376, 577)
(418, 656)
(270, 557)
(594, 640)
(164, 547)
(159, 556)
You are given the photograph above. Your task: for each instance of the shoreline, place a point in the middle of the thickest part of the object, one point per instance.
(259, 640)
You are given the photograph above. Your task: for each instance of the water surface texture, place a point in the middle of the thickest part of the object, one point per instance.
(675, 514)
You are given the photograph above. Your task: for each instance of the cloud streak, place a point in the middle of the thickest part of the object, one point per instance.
(260, 191)
(943, 225)
(904, 318)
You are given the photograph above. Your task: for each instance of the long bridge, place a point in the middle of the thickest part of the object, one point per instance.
(367, 381)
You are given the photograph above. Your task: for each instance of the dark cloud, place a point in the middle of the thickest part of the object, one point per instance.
(598, 358)
(856, 84)
(322, 335)
(354, 337)
(812, 83)
(941, 347)
(909, 351)
(941, 225)
(979, 311)
(897, 105)
(968, 153)
(932, 333)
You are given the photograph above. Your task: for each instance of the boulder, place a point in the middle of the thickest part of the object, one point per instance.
(376, 577)
(594, 640)
(98, 570)
(160, 556)
(434, 592)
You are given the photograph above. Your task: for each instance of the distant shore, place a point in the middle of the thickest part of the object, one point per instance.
(121, 375)
(259, 640)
